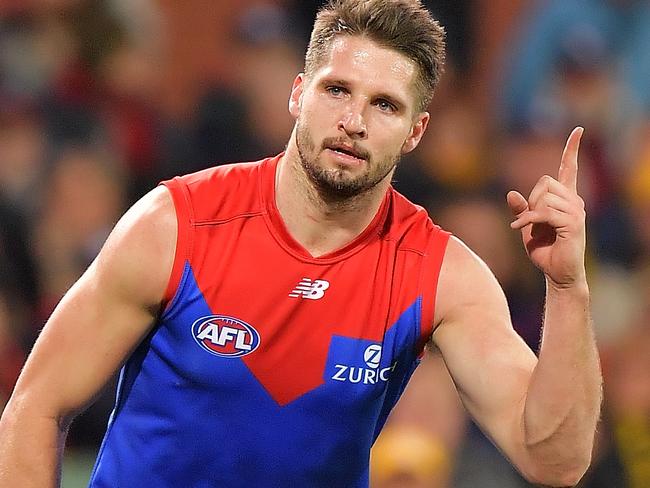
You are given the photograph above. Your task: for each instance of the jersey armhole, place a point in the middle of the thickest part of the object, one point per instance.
(184, 219)
(429, 274)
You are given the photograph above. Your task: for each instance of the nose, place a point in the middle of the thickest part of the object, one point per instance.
(353, 123)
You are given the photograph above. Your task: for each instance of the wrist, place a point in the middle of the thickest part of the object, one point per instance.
(575, 289)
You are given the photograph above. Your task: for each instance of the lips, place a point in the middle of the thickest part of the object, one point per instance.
(347, 150)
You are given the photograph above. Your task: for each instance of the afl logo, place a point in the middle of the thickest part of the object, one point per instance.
(225, 336)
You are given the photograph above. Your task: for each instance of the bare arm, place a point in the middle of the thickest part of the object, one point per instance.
(93, 330)
(541, 413)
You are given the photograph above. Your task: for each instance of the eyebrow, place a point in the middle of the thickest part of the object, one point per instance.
(333, 81)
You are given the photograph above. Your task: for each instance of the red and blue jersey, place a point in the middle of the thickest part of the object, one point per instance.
(270, 367)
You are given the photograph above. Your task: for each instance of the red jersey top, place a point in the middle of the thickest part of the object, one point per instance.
(271, 367)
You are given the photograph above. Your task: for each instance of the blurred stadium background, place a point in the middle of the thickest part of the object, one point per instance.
(100, 99)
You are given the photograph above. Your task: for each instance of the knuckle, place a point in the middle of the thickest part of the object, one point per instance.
(546, 180)
(546, 201)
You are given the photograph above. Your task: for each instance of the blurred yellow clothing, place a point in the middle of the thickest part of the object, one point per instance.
(633, 438)
(408, 456)
(639, 184)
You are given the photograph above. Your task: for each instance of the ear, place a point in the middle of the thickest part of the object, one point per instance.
(417, 131)
(295, 99)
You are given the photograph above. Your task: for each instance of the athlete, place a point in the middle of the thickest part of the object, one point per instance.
(268, 315)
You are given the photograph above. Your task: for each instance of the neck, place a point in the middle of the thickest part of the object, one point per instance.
(321, 223)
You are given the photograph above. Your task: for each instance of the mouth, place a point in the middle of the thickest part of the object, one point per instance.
(347, 152)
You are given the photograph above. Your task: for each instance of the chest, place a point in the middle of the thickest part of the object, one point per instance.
(297, 326)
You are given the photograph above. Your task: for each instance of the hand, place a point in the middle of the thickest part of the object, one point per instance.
(552, 220)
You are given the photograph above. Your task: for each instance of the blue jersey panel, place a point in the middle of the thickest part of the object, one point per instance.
(187, 418)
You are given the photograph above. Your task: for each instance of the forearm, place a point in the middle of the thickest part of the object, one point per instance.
(31, 446)
(564, 395)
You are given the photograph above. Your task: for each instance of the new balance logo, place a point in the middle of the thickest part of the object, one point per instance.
(310, 289)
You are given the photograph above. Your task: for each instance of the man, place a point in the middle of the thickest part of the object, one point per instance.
(271, 313)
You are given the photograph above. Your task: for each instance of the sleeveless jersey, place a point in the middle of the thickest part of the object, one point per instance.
(270, 367)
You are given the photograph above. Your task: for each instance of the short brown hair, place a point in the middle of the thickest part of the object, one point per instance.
(403, 25)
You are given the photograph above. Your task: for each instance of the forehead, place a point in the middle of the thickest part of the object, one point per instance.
(358, 59)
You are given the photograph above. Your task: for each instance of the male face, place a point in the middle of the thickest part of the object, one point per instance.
(356, 116)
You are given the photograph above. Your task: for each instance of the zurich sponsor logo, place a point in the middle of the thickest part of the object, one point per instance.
(370, 375)
(372, 356)
(225, 336)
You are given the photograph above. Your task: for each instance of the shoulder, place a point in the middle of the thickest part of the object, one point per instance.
(151, 218)
(142, 244)
(466, 285)
(227, 177)
(217, 191)
(232, 172)
(411, 224)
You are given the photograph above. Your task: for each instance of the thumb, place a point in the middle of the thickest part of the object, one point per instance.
(517, 203)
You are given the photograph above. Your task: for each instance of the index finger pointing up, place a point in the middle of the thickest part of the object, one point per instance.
(568, 173)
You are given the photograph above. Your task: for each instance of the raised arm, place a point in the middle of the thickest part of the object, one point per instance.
(541, 413)
(93, 330)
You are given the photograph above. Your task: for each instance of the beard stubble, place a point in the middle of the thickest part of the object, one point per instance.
(336, 184)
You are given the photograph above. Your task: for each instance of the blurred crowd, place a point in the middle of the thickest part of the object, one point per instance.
(101, 99)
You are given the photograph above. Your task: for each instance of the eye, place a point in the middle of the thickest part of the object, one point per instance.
(335, 91)
(385, 106)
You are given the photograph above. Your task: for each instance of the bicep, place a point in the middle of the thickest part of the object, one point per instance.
(105, 314)
(488, 361)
